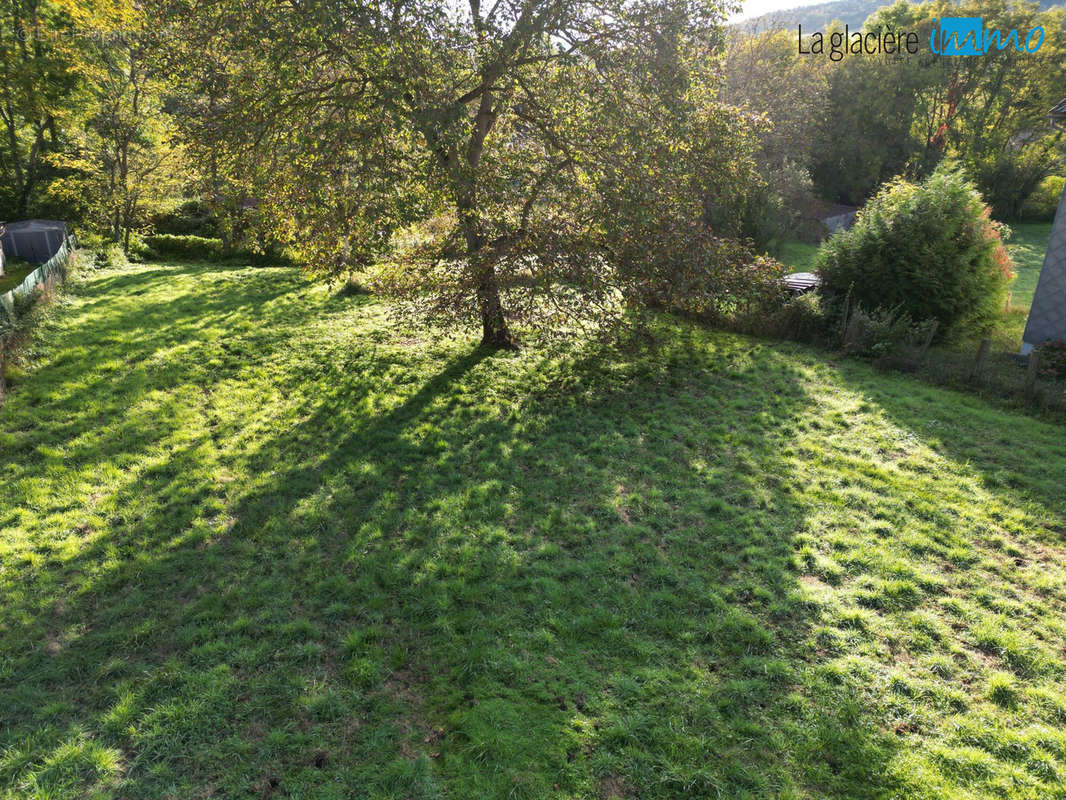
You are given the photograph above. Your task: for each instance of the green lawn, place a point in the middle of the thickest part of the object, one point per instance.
(1027, 246)
(798, 255)
(257, 542)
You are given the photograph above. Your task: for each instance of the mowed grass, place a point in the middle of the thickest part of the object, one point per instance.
(259, 542)
(1027, 245)
(798, 256)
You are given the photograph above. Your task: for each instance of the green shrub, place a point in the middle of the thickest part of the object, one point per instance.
(928, 250)
(774, 211)
(139, 249)
(112, 255)
(94, 242)
(200, 248)
(1042, 203)
(802, 318)
(191, 218)
(196, 248)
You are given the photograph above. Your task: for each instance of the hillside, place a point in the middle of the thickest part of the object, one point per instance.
(258, 541)
(818, 16)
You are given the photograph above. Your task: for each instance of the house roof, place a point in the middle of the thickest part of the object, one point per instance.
(813, 208)
(1058, 113)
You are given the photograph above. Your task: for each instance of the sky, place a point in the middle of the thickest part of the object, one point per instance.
(753, 8)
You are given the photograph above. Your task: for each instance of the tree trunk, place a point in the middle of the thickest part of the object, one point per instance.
(494, 330)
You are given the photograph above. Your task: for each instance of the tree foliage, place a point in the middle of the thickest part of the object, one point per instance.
(86, 136)
(864, 119)
(530, 125)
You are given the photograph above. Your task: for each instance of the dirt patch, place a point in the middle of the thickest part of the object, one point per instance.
(614, 786)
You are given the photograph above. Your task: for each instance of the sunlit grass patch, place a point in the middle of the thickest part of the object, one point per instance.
(260, 541)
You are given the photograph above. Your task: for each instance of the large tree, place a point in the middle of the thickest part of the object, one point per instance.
(363, 116)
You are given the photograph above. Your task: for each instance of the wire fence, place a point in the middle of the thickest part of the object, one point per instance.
(54, 268)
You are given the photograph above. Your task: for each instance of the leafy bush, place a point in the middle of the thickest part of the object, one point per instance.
(1042, 203)
(929, 250)
(105, 252)
(701, 275)
(91, 241)
(774, 211)
(802, 317)
(139, 249)
(112, 255)
(198, 248)
(191, 218)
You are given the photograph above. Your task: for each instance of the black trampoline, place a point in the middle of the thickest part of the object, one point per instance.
(33, 240)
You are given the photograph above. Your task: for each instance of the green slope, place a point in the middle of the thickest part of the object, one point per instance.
(257, 541)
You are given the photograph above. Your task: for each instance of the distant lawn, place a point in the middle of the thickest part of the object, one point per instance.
(256, 541)
(15, 274)
(1027, 246)
(798, 255)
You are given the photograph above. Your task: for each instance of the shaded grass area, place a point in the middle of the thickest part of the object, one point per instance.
(15, 273)
(257, 541)
(1027, 246)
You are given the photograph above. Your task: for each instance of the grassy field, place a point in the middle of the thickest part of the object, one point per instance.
(258, 542)
(1027, 246)
(798, 255)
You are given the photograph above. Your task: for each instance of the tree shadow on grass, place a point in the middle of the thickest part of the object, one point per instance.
(464, 574)
(1017, 457)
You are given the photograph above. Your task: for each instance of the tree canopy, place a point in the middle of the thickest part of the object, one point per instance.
(517, 120)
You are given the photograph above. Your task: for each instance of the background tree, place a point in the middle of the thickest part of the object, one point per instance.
(128, 152)
(887, 115)
(998, 127)
(368, 116)
(39, 72)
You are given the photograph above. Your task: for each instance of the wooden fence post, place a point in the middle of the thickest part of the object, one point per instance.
(982, 357)
(1030, 376)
